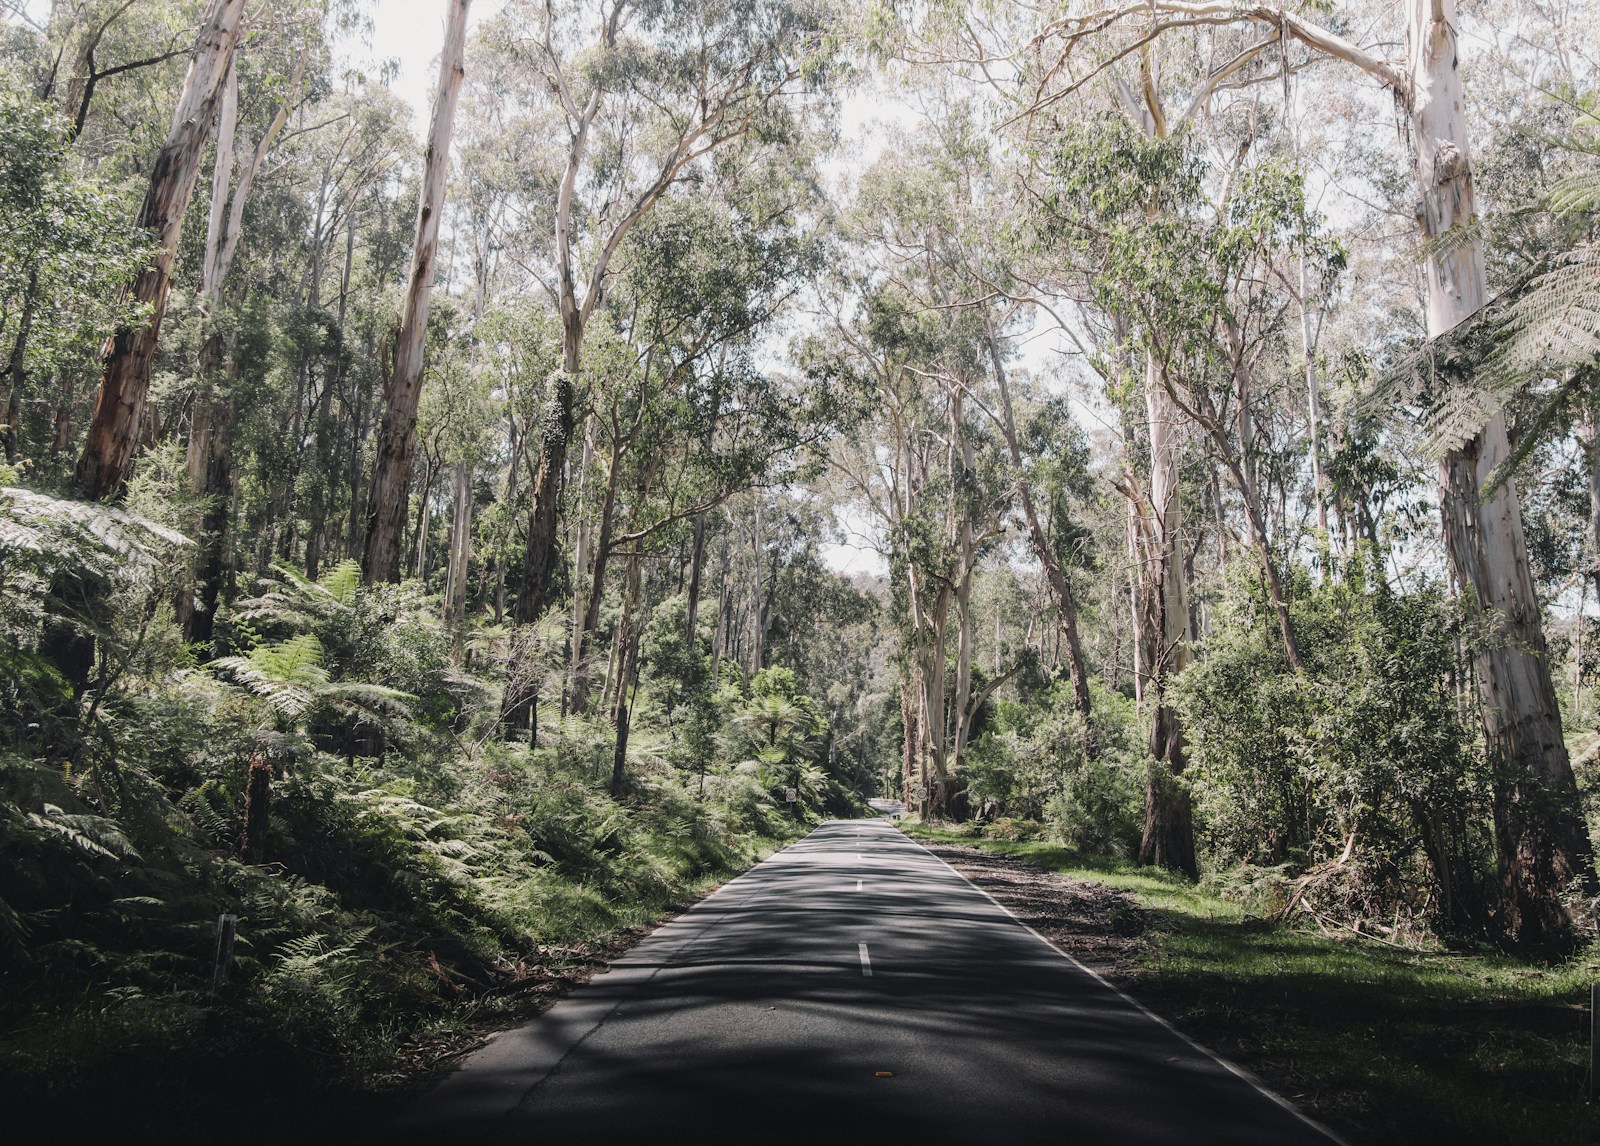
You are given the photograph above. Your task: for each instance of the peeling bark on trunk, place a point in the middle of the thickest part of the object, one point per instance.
(1168, 839)
(128, 354)
(455, 587)
(386, 504)
(1542, 841)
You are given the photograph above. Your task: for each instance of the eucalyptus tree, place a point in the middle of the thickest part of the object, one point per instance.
(945, 212)
(64, 258)
(640, 93)
(698, 285)
(392, 469)
(209, 460)
(125, 377)
(933, 478)
(1542, 842)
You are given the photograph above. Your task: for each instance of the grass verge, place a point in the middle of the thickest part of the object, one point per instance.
(1385, 1045)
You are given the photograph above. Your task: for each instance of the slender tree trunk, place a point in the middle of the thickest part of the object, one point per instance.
(430, 473)
(1591, 458)
(358, 435)
(455, 590)
(627, 674)
(1168, 838)
(392, 468)
(1055, 575)
(16, 371)
(583, 559)
(128, 354)
(697, 556)
(1542, 841)
(511, 494)
(910, 706)
(597, 585)
(330, 442)
(719, 636)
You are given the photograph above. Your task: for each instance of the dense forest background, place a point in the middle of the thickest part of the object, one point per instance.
(1171, 431)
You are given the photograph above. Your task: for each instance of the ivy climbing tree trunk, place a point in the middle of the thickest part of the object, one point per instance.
(391, 474)
(126, 359)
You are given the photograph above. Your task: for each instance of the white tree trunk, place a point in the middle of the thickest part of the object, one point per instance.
(1168, 838)
(129, 353)
(1542, 840)
(397, 440)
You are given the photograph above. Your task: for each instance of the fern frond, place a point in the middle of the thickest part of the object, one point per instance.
(1552, 328)
(93, 835)
(343, 581)
(1576, 193)
(98, 538)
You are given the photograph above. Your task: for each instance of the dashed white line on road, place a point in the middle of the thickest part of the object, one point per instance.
(866, 963)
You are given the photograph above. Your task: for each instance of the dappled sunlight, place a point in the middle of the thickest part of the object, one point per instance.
(754, 1013)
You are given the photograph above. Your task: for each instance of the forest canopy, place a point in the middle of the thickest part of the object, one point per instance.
(1171, 430)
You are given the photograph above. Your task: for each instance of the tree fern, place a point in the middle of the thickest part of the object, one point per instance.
(91, 835)
(343, 581)
(84, 536)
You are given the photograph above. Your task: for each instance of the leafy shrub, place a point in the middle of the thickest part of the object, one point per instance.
(1361, 764)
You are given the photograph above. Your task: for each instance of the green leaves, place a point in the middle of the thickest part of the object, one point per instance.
(66, 249)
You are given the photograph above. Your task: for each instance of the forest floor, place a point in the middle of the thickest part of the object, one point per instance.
(1385, 1045)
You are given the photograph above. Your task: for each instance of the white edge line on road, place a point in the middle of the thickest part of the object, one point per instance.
(1231, 1067)
(866, 963)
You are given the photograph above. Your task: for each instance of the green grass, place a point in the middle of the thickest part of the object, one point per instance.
(1385, 1045)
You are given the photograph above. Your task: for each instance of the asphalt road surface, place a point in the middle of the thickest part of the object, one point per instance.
(852, 988)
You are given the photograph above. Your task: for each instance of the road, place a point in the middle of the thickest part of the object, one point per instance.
(852, 988)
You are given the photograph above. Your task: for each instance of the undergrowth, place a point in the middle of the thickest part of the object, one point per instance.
(398, 875)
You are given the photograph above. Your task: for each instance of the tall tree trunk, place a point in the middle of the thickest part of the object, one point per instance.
(358, 435)
(455, 587)
(597, 585)
(697, 558)
(210, 564)
(126, 359)
(583, 559)
(1591, 460)
(1055, 575)
(16, 371)
(911, 742)
(386, 506)
(512, 472)
(1542, 841)
(627, 673)
(330, 442)
(1168, 838)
